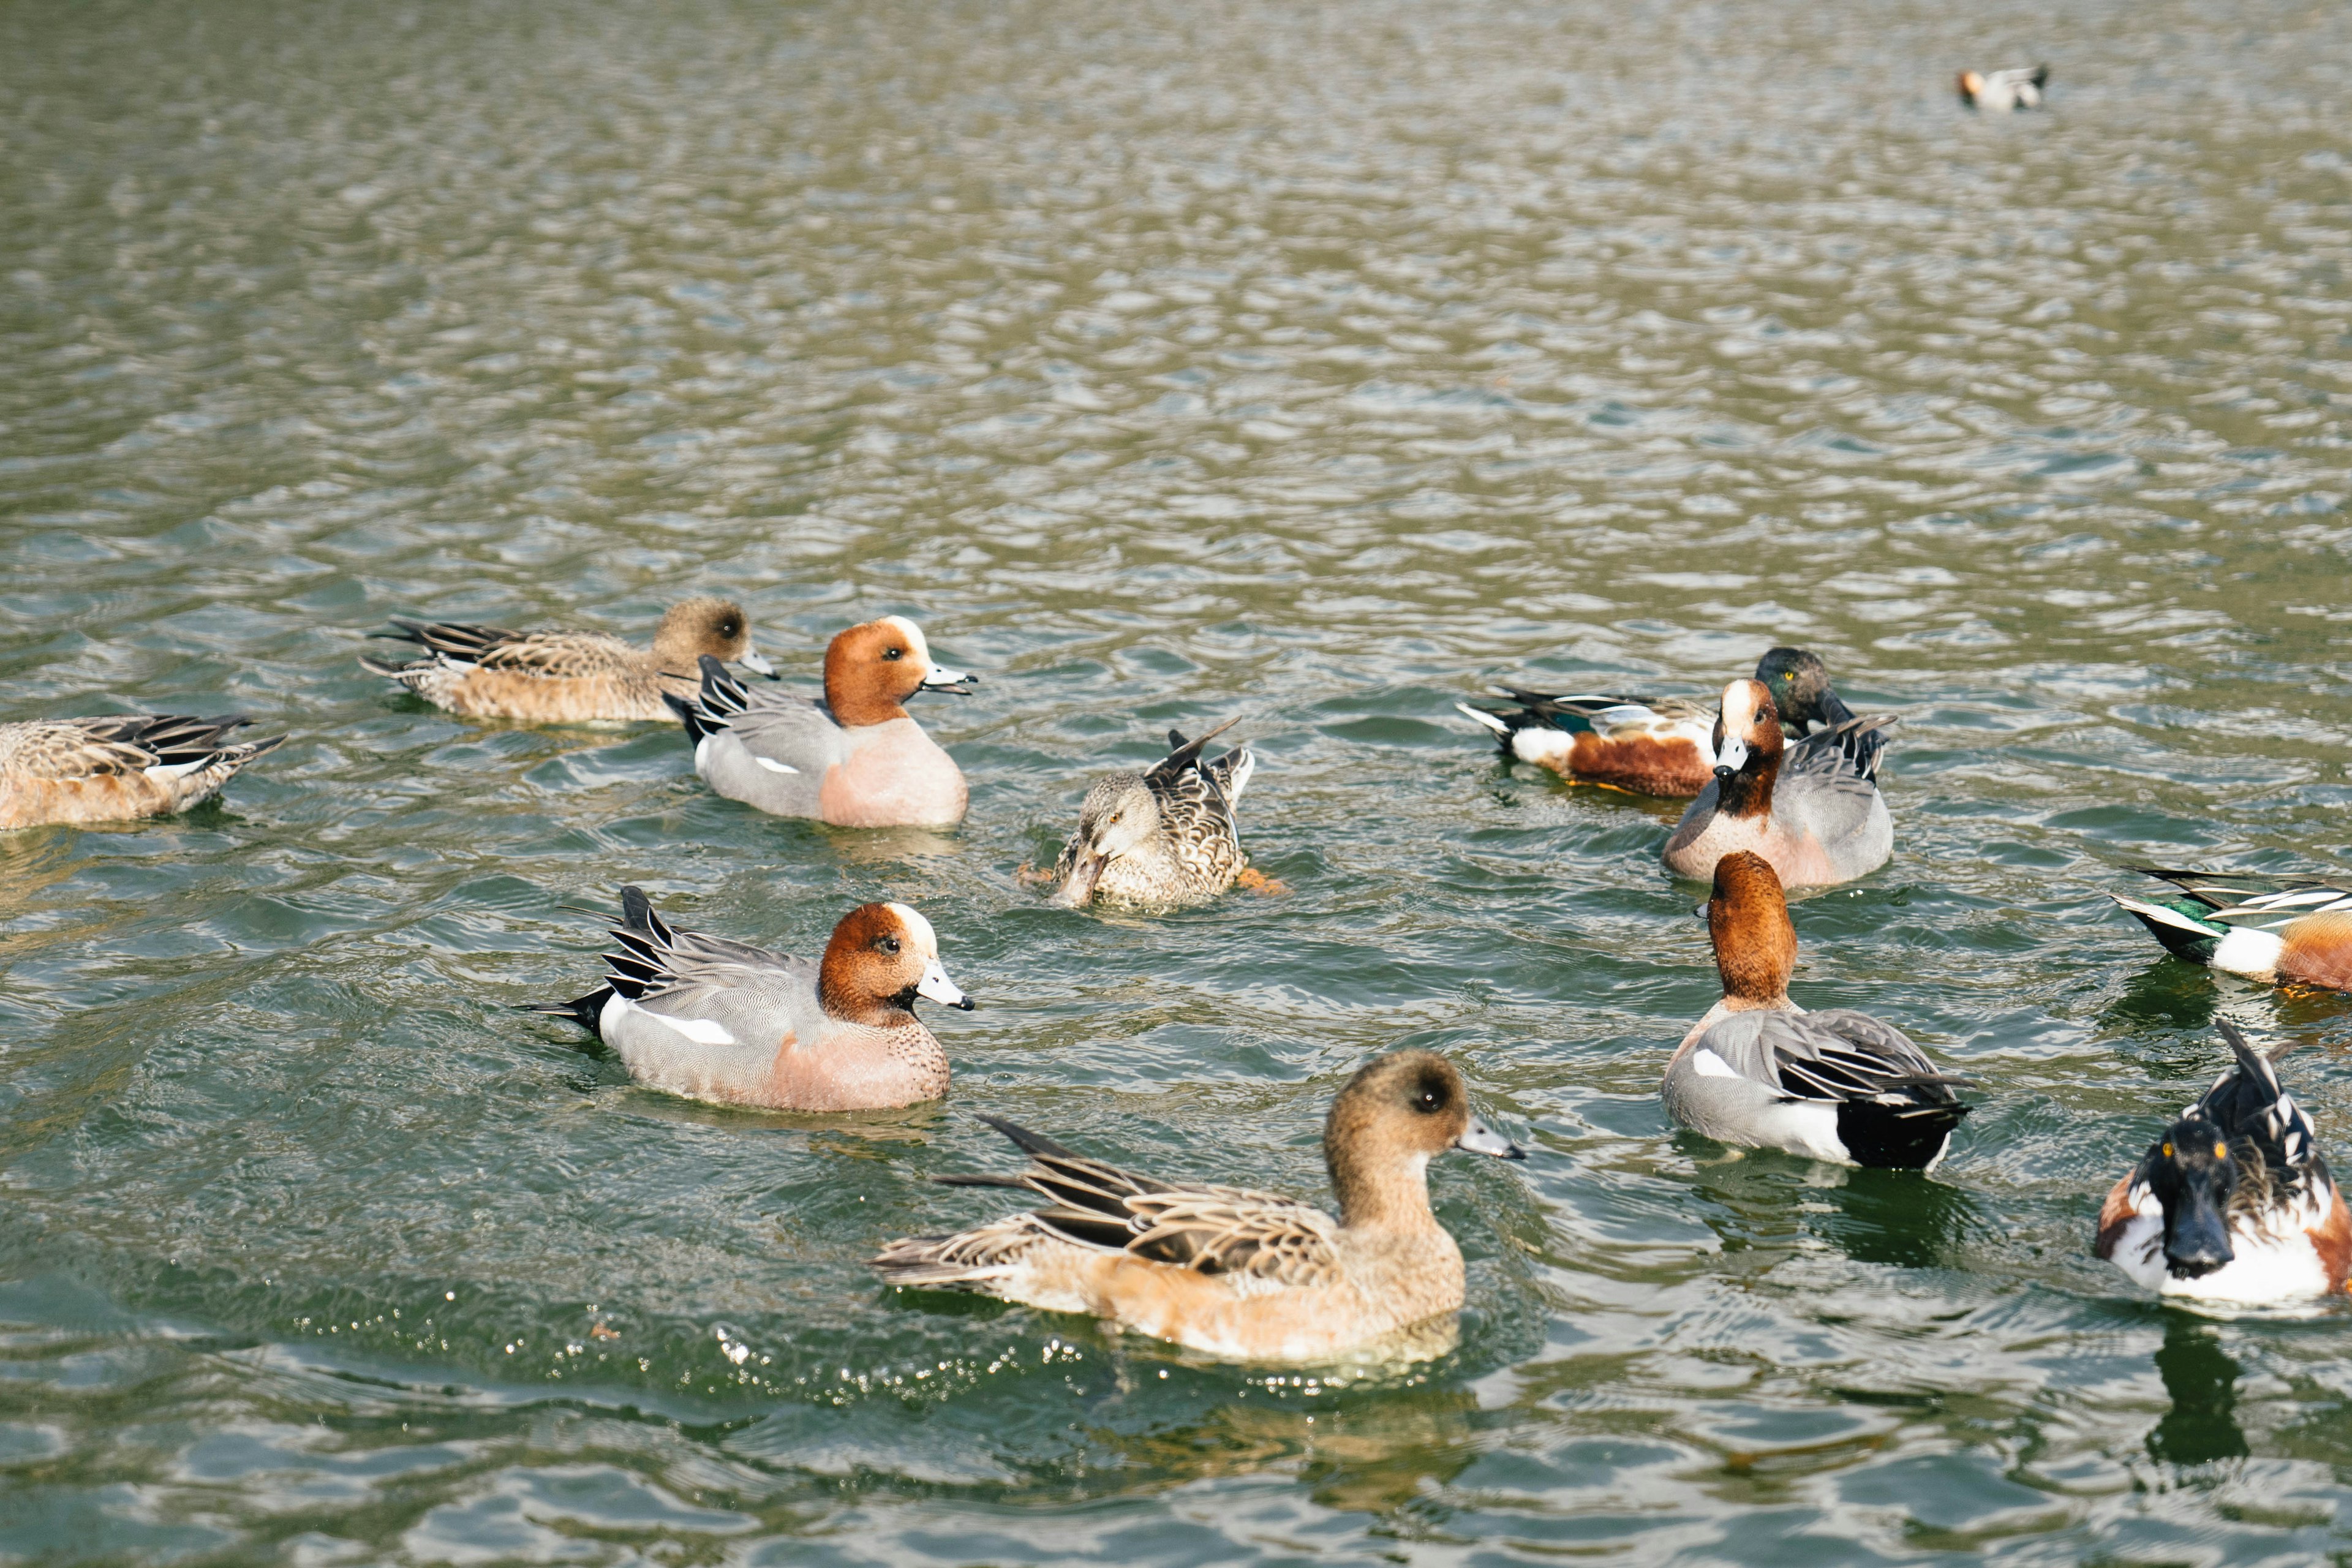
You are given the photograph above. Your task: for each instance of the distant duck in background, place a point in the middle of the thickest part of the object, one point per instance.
(724, 1021)
(1658, 746)
(2279, 930)
(1166, 836)
(569, 677)
(2000, 91)
(118, 768)
(2234, 1203)
(1811, 810)
(854, 760)
(1761, 1071)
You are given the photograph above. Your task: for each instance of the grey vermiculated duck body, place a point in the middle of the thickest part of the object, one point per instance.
(1165, 837)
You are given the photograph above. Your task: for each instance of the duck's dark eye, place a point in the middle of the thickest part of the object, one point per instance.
(894, 653)
(885, 944)
(727, 628)
(1429, 1101)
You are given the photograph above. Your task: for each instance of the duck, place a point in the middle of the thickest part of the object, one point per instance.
(1811, 809)
(1760, 1072)
(1165, 837)
(2281, 931)
(118, 768)
(1231, 1273)
(569, 677)
(853, 760)
(1661, 746)
(2232, 1203)
(710, 1019)
(2003, 91)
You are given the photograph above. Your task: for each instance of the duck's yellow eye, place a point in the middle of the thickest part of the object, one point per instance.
(2221, 1151)
(1788, 674)
(2168, 1151)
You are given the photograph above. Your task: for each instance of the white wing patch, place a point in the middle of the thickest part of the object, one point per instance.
(773, 765)
(1706, 1064)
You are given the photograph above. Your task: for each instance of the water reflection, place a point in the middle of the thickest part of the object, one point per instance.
(2202, 1426)
(1361, 1455)
(1896, 1219)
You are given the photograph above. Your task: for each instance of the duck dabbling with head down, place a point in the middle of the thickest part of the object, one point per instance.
(724, 1021)
(1761, 1071)
(118, 768)
(1242, 1274)
(854, 760)
(1811, 809)
(2234, 1203)
(1658, 745)
(1165, 837)
(2278, 930)
(569, 677)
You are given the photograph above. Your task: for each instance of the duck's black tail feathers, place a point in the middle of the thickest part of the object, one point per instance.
(1182, 754)
(1897, 1137)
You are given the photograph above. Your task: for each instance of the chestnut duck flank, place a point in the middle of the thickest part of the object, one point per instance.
(1811, 809)
(569, 677)
(854, 760)
(1242, 1274)
(2000, 91)
(1660, 745)
(2234, 1203)
(1761, 1071)
(723, 1021)
(116, 768)
(2280, 930)
(1166, 836)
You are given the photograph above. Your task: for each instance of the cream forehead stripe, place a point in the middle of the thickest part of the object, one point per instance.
(922, 651)
(917, 927)
(1738, 706)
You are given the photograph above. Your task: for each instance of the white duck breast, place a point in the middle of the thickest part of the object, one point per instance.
(2270, 1265)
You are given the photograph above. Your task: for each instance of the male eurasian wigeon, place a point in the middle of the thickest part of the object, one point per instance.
(719, 1020)
(1658, 745)
(2019, 87)
(116, 768)
(1761, 1071)
(2281, 931)
(2234, 1202)
(1166, 836)
(567, 677)
(1813, 809)
(1235, 1273)
(856, 759)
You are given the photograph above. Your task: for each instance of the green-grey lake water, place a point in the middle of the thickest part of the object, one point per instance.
(1312, 363)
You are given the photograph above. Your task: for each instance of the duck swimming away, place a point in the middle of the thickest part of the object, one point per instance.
(854, 760)
(1760, 1071)
(1242, 1274)
(718, 1020)
(1165, 837)
(2234, 1203)
(1813, 809)
(569, 677)
(1659, 745)
(2280, 930)
(118, 768)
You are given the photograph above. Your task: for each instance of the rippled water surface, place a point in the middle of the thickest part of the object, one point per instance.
(1313, 363)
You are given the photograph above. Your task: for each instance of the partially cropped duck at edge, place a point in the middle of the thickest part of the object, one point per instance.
(1761, 1071)
(117, 769)
(569, 677)
(1242, 1274)
(1813, 809)
(1166, 836)
(2279, 930)
(854, 760)
(2019, 87)
(2234, 1202)
(1660, 745)
(718, 1020)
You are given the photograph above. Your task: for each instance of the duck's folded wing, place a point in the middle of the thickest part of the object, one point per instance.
(62, 749)
(461, 641)
(755, 995)
(2257, 899)
(1827, 1057)
(2249, 1103)
(1850, 748)
(1184, 757)
(783, 730)
(559, 655)
(1231, 1230)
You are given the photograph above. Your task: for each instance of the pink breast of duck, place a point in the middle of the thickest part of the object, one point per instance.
(895, 774)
